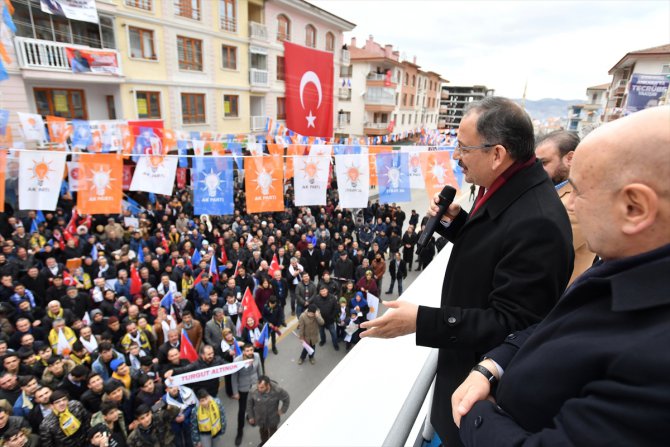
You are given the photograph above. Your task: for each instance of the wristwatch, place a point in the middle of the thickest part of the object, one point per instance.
(483, 370)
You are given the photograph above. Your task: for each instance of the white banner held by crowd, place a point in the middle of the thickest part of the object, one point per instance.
(40, 176)
(155, 174)
(353, 180)
(208, 373)
(310, 180)
(373, 304)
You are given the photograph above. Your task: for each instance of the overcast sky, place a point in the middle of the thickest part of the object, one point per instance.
(559, 47)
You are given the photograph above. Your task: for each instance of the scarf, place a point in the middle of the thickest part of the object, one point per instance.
(209, 418)
(186, 396)
(167, 326)
(54, 316)
(91, 345)
(126, 380)
(68, 422)
(484, 194)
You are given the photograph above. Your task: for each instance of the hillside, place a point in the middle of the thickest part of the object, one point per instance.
(549, 107)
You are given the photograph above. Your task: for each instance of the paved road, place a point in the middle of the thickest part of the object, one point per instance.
(300, 380)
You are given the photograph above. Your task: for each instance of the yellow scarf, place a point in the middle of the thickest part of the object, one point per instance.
(186, 285)
(53, 316)
(126, 380)
(209, 419)
(67, 422)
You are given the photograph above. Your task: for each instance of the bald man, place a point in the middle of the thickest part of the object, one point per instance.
(555, 151)
(595, 371)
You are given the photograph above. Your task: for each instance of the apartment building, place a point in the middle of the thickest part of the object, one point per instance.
(198, 65)
(383, 95)
(582, 118)
(649, 67)
(454, 100)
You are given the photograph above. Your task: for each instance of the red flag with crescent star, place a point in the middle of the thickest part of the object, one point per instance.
(309, 90)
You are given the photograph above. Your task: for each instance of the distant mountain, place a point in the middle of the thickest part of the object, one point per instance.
(549, 107)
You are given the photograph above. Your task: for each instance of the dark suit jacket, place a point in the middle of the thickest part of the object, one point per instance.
(593, 373)
(509, 265)
(397, 269)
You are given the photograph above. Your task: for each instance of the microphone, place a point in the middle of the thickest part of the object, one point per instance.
(446, 197)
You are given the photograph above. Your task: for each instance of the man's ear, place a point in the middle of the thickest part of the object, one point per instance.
(638, 207)
(567, 159)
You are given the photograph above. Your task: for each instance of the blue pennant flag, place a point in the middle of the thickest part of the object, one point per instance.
(393, 177)
(213, 186)
(236, 150)
(263, 340)
(94, 252)
(40, 217)
(7, 18)
(4, 119)
(140, 255)
(238, 351)
(33, 227)
(196, 258)
(82, 137)
(152, 198)
(3, 74)
(182, 149)
(167, 301)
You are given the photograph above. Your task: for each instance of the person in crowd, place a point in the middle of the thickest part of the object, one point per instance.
(267, 402)
(517, 220)
(66, 425)
(208, 421)
(273, 315)
(398, 272)
(152, 427)
(555, 151)
(242, 381)
(327, 305)
(183, 398)
(621, 199)
(309, 324)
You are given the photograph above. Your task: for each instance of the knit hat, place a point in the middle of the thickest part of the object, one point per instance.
(95, 312)
(114, 364)
(112, 385)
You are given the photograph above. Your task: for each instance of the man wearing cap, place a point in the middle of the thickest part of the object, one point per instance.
(121, 372)
(67, 424)
(78, 303)
(208, 421)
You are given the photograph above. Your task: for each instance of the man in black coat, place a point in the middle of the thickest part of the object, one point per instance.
(398, 272)
(511, 260)
(310, 260)
(592, 372)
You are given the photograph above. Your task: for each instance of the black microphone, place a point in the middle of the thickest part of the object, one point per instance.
(446, 197)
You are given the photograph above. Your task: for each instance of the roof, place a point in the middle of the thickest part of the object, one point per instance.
(599, 87)
(653, 51)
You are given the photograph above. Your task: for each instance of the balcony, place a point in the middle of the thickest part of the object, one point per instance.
(344, 94)
(258, 123)
(258, 31)
(228, 24)
(379, 100)
(379, 80)
(346, 57)
(258, 78)
(375, 129)
(399, 415)
(620, 87)
(46, 55)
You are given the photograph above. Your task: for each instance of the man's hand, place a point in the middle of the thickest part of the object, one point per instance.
(475, 388)
(401, 321)
(451, 213)
(252, 421)
(133, 425)
(179, 419)
(236, 396)
(168, 373)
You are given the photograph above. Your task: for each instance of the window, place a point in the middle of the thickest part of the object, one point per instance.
(402, 118)
(343, 118)
(281, 108)
(189, 52)
(111, 107)
(283, 27)
(404, 99)
(413, 80)
(140, 4)
(228, 15)
(141, 43)
(187, 8)
(148, 104)
(230, 106)
(280, 68)
(411, 101)
(330, 41)
(229, 57)
(310, 36)
(397, 97)
(346, 71)
(67, 103)
(665, 69)
(406, 79)
(192, 108)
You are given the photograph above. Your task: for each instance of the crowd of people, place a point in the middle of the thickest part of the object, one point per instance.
(87, 349)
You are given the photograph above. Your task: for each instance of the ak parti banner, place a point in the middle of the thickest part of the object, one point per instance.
(264, 184)
(373, 151)
(309, 90)
(437, 171)
(59, 131)
(100, 184)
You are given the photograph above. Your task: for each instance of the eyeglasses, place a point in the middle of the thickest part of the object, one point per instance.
(460, 149)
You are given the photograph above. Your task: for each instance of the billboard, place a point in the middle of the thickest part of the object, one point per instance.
(645, 91)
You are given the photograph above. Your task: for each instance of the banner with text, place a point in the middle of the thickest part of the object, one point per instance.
(100, 184)
(264, 184)
(437, 171)
(155, 173)
(393, 178)
(208, 373)
(40, 176)
(353, 180)
(646, 91)
(213, 186)
(310, 180)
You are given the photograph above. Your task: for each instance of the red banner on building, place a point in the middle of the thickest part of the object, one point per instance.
(92, 61)
(309, 90)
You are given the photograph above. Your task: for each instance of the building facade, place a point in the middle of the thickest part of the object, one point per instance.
(583, 118)
(651, 61)
(383, 95)
(455, 99)
(198, 65)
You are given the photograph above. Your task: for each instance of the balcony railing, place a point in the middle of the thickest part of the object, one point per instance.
(48, 55)
(186, 9)
(346, 57)
(380, 100)
(380, 126)
(258, 78)
(257, 123)
(344, 94)
(258, 31)
(228, 24)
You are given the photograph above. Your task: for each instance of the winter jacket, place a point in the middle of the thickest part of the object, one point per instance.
(328, 307)
(97, 418)
(308, 328)
(195, 433)
(264, 407)
(51, 434)
(159, 433)
(247, 377)
(305, 293)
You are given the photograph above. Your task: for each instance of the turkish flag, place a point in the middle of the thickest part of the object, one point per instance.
(309, 90)
(250, 309)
